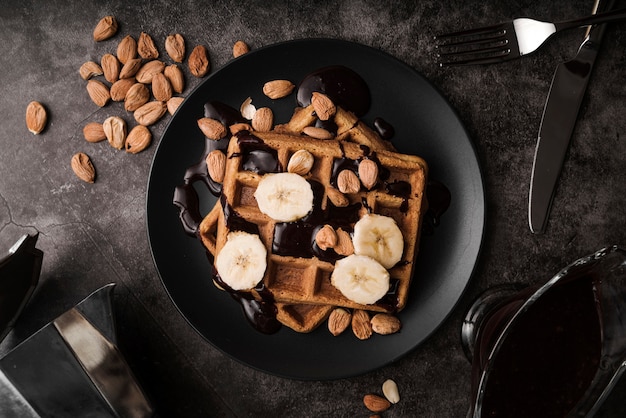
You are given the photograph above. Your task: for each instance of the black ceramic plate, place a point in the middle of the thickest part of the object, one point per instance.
(425, 125)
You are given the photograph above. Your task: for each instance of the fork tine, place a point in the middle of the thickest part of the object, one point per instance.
(485, 37)
(488, 59)
(471, 32)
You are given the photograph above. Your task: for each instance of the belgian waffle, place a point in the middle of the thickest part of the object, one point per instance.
(306, 280)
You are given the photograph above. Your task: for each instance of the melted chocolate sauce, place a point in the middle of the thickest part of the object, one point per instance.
(344, 87)
(384, 128)
(550, 355)
(256, 156)
(439, 199)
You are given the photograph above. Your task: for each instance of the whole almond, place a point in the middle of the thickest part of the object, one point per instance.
(301, 162)
(344, 243)
(326, 237)
(105, 29)
(348, 182)
(176, 78)
(148, 70)
(240, 48)
(317, 132)
(98, 92)
(130, 68)
(175, 47)
(111, 67)
(390, 390)
(338, 321)
(198, 61)
(150, 113)
(83, 168)
(376, 403)
(136, 96)
(90, 69)
(173, 104)
(161, 87)
(120, 88)
(361, 326)
(337, 198)
(277, 89)
(115, 131)
(368, 173)
(385, 324)
(127, 49)
(146, 47)
(138, 139)
(216, 165)
(212, 128)
(263, 119)
(94, 132)
(323, 106)
(36, 117)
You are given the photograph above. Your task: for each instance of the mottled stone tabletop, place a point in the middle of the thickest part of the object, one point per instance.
(94, 234)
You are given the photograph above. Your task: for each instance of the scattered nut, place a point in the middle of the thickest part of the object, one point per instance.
(263, 120)
(176, 78)
(83, 168)
(344, 243)
(385, 324)
(348, 182)
(94, 132)
(147, 71)
(198, 61)
(173, 103)
(126, 49)
(136, 96)
(376, 403)
(130, 68)
(105, 29)
(317, 133)
(390, 390)
(277, 89)
(338, 321)
(326, 237)
(362, 328)
(146, 47)
(212, 128)
(138, 139)
(111, 67)
(90, 69)
(161, 87)
(368, 173)
(240, 48)
(323, 106)
(115, 131)
(216, 165)
(120, 88)
(150, 113)
(36, 117)
(301, 162)
(175, 47)
(98, 92)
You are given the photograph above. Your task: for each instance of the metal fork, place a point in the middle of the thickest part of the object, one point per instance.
(510, 40)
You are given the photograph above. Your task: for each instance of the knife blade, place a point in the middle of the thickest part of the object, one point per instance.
(560, 113)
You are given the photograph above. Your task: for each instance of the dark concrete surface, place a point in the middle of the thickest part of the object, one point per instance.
(93, 234)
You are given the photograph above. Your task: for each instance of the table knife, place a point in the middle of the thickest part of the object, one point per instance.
(559, 118)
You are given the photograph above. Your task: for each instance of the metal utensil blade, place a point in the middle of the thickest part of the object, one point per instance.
(557, 125)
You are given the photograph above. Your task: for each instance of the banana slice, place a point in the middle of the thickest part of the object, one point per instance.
(242, 260)
(360, 278)
(379, 237)
(284, 197)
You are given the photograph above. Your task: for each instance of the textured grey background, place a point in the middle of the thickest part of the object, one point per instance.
(95, 234)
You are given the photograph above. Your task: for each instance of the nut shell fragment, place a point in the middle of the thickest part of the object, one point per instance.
(198, 61)
(146, 47)
(83, 168)
(105, 29)
(90, 69)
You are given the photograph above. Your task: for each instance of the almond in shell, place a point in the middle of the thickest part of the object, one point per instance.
(36, 117)
(161, 87)
(120, 88)
(150, 113)
(146, 47)
(83, 168)
(173, 104)
(111, 67)
(198, 61)
(115, 131)
(138, 139)
(176, 78)
(130, 68)
(90, 69)
(147, 71)
(240, 48)
(94, 132)
(175, 47)
(136, 96)
(127, 49)
(105, 29)
(98, 92)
